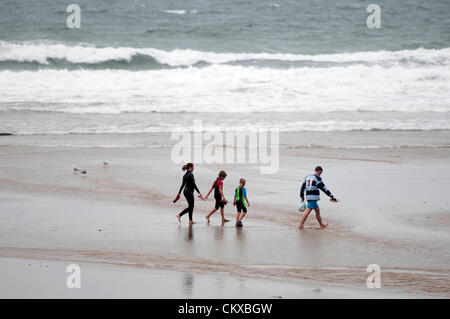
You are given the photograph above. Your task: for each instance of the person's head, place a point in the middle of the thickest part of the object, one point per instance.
(222, 175)
(318, 170)
(241, 182)
(188, 167)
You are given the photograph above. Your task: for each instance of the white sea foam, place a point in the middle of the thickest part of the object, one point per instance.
(226, 88)
(42, 52)
(319, 125)
(180, 12)
(419, 85)
(271, 5)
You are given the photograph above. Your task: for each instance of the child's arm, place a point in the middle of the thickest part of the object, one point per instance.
(221, 193)
(209, 192)
(248, 204)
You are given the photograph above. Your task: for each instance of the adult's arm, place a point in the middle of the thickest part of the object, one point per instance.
(182, 184)
(324, 189)
(196, 188)
(302, 190)
(192, 180)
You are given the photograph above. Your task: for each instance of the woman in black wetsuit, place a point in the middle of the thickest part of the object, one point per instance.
(189, 187)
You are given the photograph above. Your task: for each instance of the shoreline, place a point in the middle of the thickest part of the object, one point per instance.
(358, 139)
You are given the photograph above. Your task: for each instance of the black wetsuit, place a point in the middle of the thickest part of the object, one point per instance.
(189, 187)
(240, 197)
(217, 196)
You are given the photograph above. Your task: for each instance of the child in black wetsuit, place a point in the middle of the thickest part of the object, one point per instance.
(218, 196)
(189, 187)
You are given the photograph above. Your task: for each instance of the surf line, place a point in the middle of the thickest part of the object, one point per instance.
(189, 309)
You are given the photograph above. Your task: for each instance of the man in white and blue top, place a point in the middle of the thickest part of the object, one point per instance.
(313, 184)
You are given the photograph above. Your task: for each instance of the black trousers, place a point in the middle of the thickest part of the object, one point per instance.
(190, 209)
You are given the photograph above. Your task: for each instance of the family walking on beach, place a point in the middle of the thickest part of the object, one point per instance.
(312, 185)
(240, 197)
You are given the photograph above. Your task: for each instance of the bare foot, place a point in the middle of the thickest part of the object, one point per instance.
(191, 222)
(301, 227)
(179, 218)
(225, 220)
(207, 218)
(324, 225)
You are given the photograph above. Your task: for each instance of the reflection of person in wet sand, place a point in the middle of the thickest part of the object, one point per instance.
(312, 184)
(218, 196)
(189, 187)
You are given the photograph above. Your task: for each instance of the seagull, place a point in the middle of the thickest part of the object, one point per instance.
(75, 169)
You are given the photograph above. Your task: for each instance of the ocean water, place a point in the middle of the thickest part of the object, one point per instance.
(149, 67)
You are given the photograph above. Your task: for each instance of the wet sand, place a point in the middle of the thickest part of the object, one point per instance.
(394, 212)
(30, 278)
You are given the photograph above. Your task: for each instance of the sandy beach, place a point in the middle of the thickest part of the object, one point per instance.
(119, 221)
(270, 89)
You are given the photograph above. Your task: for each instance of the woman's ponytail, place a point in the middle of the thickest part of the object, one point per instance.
(187, 166)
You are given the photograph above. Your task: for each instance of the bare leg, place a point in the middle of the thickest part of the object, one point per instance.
(319, 219)
(191, 221)
(242, 216)
(237, 217)
(304, 217)
(222, 212)
(210, 213)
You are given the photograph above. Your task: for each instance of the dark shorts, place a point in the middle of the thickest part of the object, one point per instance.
(240, 207)
(219, 204)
